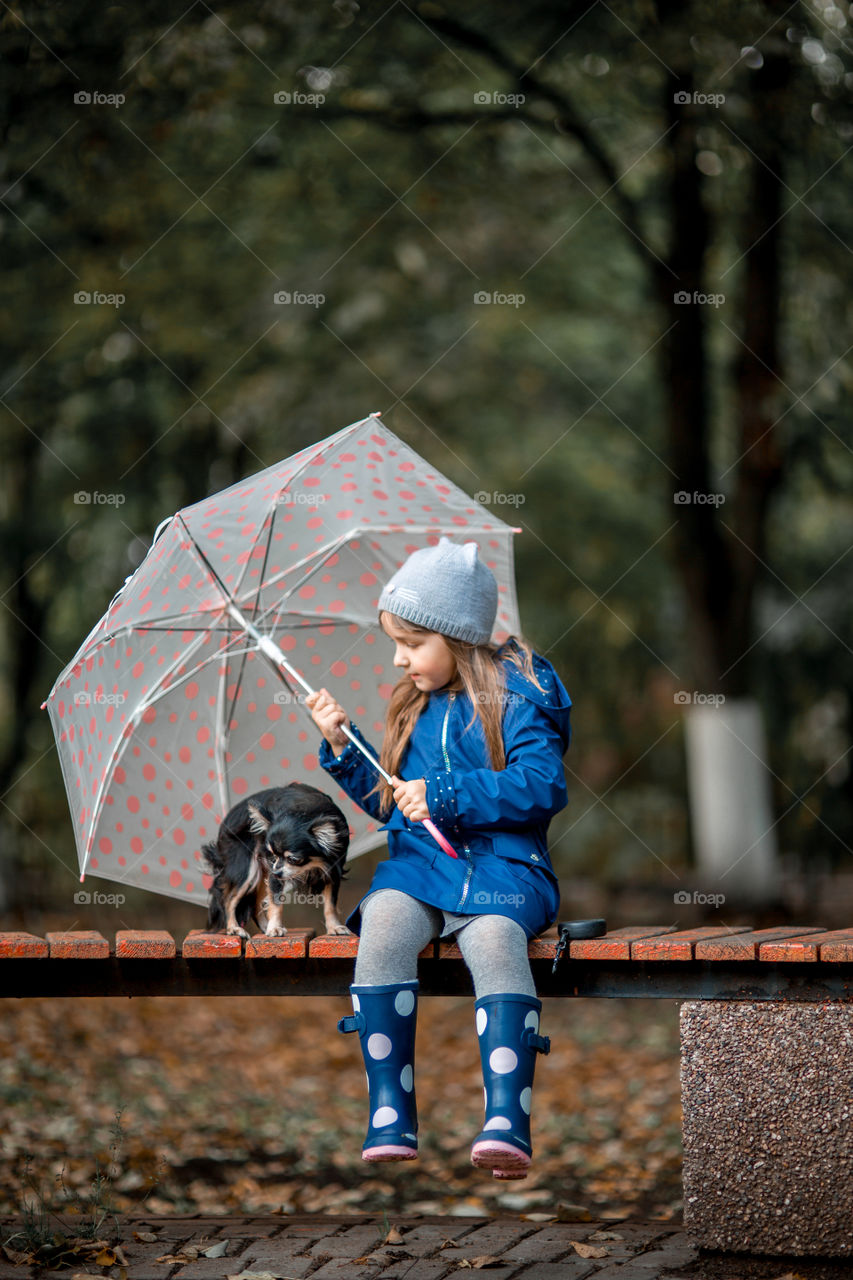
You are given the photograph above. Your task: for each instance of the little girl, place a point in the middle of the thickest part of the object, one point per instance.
(479, 733)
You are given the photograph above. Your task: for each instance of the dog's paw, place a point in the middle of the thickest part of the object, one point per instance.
(238, 933)
(275, 931)
(340, 930)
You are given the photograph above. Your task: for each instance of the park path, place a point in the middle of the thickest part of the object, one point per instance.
(374, 1247)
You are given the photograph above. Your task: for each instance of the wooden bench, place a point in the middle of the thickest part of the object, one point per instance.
(717, 963)
(766, 1044)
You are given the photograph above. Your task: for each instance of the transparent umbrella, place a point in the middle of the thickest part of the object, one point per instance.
(189, 693)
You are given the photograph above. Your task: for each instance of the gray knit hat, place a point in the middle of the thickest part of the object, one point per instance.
(446, 589)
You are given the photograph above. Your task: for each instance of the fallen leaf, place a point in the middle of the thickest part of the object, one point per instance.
(607, 1235)
(217, 1250)
(393, 1237)
(588, 1250)
(105, 1258)
(538, 1217)
(147, 1237)
(573, 1213)
(258, 1275)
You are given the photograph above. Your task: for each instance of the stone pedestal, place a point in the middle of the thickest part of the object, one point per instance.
(767, 1094)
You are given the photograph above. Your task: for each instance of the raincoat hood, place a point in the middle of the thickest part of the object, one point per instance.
(552, 698)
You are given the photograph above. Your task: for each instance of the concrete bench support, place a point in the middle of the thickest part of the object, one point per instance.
(767, 1094)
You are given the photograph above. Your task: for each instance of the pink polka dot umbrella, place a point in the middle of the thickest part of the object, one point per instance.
(178, 704)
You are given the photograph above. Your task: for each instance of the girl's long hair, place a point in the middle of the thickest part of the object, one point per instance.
(479, 673)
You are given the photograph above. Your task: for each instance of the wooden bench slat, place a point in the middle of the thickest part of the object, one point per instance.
(292, 946)
(679, 945)
(839, 948)
(833, 944)
(616, 944)
(78, 944)
(333, 944)
(542, 948)
(201, 945)
(18, 946)
(746, 946)
(145, 944)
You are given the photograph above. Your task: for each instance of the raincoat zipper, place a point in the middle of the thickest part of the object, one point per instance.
(470, 867)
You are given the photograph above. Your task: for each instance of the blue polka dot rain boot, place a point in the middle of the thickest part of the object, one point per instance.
(385, 1018)
(508, 1030)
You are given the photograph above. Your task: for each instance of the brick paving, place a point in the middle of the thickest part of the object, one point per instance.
(354, 1247)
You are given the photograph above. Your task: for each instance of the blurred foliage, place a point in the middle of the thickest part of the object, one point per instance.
(398, 198)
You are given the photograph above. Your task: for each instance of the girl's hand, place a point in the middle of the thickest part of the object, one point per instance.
(410, 799)
(328, 716)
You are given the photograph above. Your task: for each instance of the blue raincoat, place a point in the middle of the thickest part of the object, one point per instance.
(496, 821)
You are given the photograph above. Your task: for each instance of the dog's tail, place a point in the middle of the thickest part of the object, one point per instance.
(211, 855)
(216, 921)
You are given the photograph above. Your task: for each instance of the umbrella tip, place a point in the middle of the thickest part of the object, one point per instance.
(377, 413)
(82, 876)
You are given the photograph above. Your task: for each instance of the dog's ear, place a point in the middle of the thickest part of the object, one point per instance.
(261, 818)
(328, 835)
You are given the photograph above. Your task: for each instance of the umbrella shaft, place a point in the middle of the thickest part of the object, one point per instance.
(274, 653)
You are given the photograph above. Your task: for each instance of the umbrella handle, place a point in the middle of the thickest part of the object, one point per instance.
(439, 838)
(441, 841)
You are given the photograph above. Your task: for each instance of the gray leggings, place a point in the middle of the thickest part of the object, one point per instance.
(395, 928)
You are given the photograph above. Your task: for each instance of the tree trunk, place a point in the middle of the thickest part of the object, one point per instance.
(719, 549)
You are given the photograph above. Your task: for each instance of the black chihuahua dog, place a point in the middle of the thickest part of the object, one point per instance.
(285, 840)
